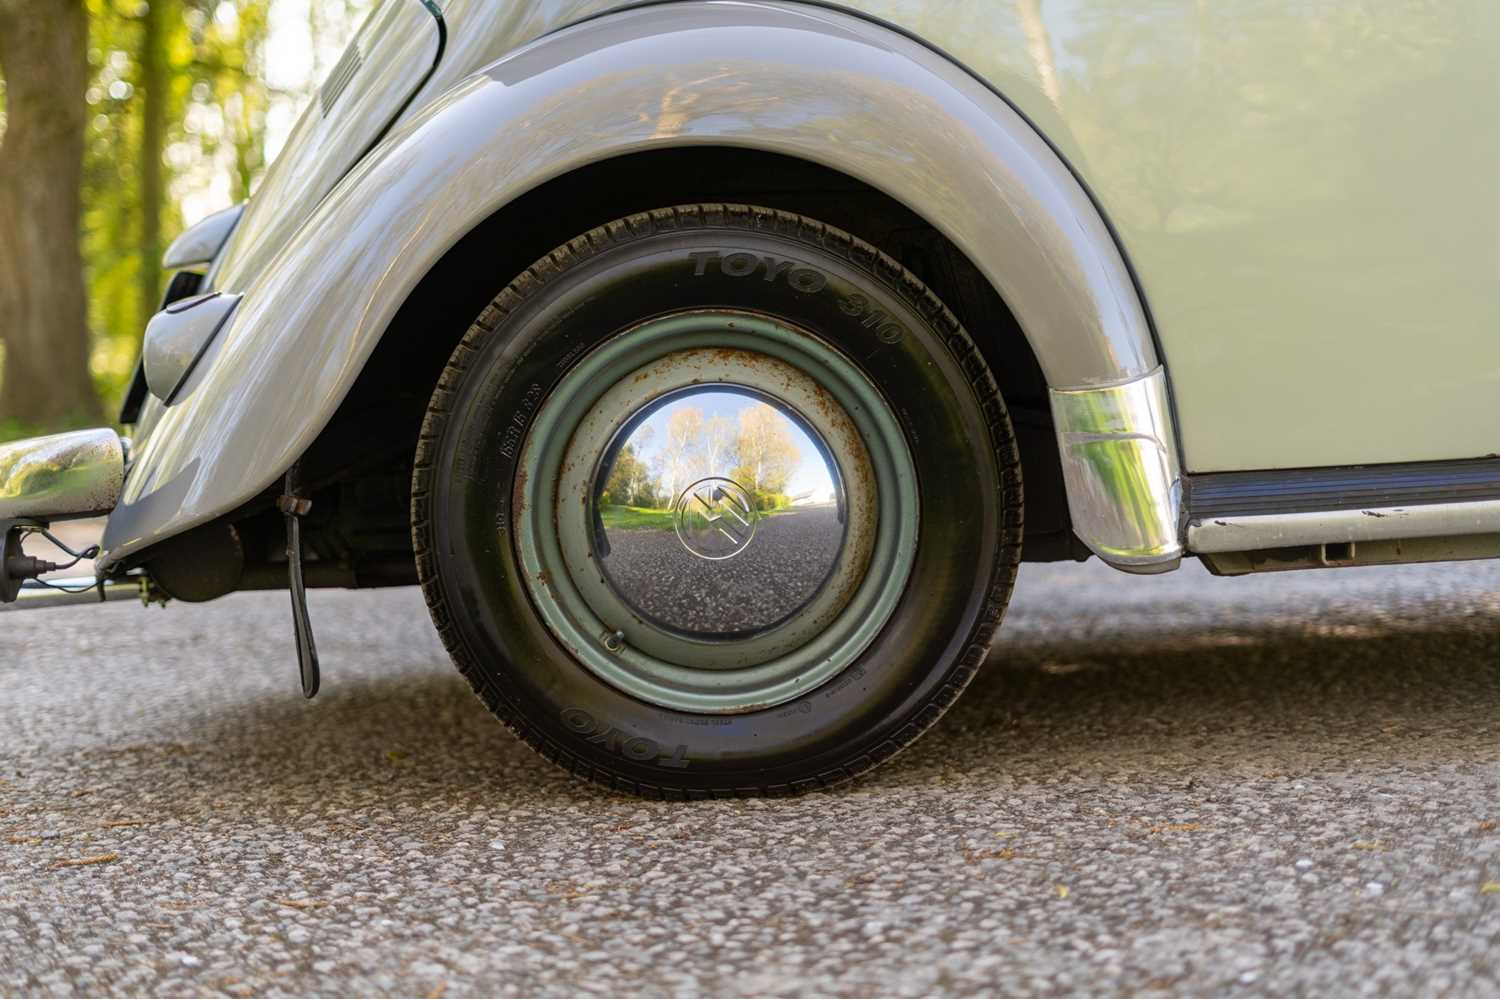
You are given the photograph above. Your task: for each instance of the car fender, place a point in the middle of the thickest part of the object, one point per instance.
(802, 81)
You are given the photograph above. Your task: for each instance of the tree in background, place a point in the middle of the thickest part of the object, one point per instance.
(128, 108)
(152, 60)
(631, 482)
(719, 437)
(681, 458)
(179, 103)
(767, 456)
(43, 57)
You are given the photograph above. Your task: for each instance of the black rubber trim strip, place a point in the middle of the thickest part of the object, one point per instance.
(1313, 490)
(442, 46)
(202, 350)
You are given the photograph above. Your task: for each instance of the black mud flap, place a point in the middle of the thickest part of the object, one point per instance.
(294, 506)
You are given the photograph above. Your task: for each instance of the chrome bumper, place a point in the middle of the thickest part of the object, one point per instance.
(1119, 462)
(47, 479)
(78, 474)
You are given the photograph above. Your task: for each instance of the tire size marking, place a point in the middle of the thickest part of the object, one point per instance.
(636, 748)
(515, 430)
(887, 330)
(849, 676)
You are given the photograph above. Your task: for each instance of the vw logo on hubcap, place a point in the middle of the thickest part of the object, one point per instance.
(715, 518)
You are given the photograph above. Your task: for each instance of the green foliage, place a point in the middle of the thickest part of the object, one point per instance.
(770, 502)
(206, 123)
(631, 483)
(635, 518)
(212, 55)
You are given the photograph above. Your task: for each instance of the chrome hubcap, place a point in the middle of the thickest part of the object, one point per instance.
(755, 514)
(717, 512)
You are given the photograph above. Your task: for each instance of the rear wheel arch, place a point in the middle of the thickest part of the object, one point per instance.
(850, 94)
(410, 356)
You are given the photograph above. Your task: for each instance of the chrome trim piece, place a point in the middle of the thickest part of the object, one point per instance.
(176, 338)
(202, 241)
(77, 474)
(572, 582)
(68, 592)
(803, 82)
(1119, 461)
(1401, 551)
(1283, 530)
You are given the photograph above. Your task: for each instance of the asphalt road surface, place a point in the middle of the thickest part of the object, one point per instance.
(781, 569)
(1281, 785)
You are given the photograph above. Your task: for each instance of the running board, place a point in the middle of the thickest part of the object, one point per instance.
(1365, 515)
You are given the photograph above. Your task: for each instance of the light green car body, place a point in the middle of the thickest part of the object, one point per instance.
(1307, 190)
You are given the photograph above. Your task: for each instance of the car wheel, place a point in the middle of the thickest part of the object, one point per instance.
(717, 500)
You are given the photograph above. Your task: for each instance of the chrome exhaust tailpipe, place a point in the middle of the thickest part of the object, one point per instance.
(36, 594)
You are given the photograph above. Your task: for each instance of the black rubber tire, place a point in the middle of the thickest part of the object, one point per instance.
(943, 394)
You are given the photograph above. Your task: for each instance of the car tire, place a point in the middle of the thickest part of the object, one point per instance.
(779, 625)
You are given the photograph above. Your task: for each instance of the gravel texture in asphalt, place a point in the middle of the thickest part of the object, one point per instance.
(1279, 785)
(787, 559)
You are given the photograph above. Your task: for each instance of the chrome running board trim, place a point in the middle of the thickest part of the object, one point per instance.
(1238, 533)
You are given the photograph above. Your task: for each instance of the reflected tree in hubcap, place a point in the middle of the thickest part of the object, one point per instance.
(718, 512)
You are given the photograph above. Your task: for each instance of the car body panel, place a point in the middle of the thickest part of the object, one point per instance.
(1304, 188)
(802, 81)
(1298, 187)
(384, 66)
(1306, 191)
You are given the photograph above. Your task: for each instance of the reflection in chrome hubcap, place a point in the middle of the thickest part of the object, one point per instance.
(680, 557)
(716, 512)
(715, 518)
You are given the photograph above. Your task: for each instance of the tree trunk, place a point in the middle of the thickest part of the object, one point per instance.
(43, 322)
(153, 145)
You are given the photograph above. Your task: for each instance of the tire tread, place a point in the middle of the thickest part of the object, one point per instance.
(643, 225)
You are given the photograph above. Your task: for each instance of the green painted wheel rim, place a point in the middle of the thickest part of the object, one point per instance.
(557, 502)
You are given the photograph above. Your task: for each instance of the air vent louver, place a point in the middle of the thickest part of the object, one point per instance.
(343, 72)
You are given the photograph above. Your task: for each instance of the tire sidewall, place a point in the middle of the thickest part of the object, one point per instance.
(896, 686)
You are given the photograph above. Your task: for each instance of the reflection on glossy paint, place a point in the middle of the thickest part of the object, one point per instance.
(826, 88)
(1295, 182)
(1305, 188)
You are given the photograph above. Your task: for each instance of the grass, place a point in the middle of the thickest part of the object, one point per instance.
(14, 430)
(640, 518)
(636, 518)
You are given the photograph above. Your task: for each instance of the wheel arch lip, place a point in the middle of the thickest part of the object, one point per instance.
(803, 81)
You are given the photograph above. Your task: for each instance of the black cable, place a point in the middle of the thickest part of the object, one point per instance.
(92, 551)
